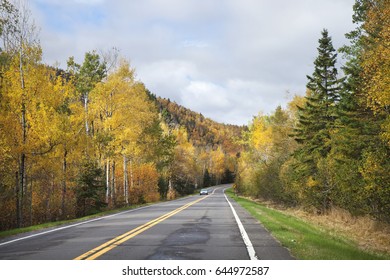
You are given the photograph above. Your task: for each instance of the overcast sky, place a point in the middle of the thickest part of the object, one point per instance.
(227, 59)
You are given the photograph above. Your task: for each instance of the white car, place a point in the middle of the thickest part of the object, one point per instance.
(204, 192)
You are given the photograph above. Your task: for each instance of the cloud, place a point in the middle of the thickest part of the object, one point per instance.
(226, 101)
(227, 59)
(202, 95)
(167, 77)
(194, 44)
(70, 2)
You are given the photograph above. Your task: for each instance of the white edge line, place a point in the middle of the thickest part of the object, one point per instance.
(73, 225)
(245, 237)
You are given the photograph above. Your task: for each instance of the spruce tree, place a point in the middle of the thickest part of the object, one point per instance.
(316, 121)
(317, 117)
(360, 150)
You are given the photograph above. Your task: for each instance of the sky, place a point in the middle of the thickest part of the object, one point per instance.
(227, 59)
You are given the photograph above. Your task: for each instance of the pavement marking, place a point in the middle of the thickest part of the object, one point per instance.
(78, 224)
(113, 243)
(215, 190)
(245, 237)
(72, 225)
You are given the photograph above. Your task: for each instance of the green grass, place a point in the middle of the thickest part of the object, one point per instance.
(304, 240)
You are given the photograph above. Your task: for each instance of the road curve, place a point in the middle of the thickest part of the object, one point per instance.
(195, 227)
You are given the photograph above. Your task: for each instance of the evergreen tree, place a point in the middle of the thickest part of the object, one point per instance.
(359, 143)
(317, 117)
(90, 190)
(316, 121)
(206, 179)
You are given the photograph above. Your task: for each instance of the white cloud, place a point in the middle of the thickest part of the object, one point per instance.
(201, 95)
(167, 77)
(227, 59)
(194, 44)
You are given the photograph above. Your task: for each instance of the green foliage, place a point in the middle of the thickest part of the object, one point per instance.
(87, 75)
(341, 155)
(375, 170)
(8, 18)
(316, 123)
(317, 117)
(227, 178)
(207, 179)
(90, 189)
(268, 147)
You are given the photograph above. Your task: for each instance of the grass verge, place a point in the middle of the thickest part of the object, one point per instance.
(305, 240)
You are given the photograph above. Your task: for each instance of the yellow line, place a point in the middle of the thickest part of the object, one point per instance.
(113, 243)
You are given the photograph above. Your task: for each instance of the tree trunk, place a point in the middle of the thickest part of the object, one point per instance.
(22, 159)
(86, 113)
(131, 175)
(113, 198)
(108, 181)
(125, 181)
(17, 205)
(30, 210)
(64, 179)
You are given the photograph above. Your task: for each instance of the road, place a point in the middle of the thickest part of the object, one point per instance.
(195, 227)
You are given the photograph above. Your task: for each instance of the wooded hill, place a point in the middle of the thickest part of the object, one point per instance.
(202, 132)
(214, 146)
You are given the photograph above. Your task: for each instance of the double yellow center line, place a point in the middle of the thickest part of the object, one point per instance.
(104, 248)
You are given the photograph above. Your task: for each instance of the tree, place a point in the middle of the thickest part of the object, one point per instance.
(90, 189)
(87, 75)
(20, 39)
(361, 142)
(9, 17)
(317, 117)
(183, 167)
(217, 164)
(34, 114)
(268, 147)
(317, 121)
(376, 61)
(207, 179)
(126, 130)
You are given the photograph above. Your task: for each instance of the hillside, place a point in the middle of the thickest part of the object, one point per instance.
(202, 132)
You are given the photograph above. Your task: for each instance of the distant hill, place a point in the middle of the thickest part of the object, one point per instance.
(202, 132)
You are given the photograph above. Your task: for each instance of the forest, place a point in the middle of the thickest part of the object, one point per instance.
(331, 148)
(91, 137)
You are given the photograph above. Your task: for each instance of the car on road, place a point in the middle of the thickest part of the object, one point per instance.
(204, 192)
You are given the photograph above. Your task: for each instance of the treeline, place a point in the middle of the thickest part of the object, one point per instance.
(202, 132)
(331, 148)
(90, 137)
(212, 148)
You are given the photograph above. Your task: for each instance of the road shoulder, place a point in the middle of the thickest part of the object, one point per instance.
(265, 245)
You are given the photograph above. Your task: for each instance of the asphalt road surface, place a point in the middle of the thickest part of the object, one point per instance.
(198, 227)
